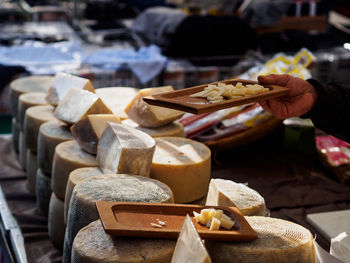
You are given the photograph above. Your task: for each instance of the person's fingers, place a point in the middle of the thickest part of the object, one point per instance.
(264, 105)
(276, 79)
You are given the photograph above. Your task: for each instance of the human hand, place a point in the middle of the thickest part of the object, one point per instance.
(298, 101)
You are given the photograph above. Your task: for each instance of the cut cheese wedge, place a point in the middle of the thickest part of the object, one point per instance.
(62, 83)
(148, 115)
(278, 241)
(123, 149)
(43, 192)
(15, 135)
(108, 248)
(88, 131)
(228, 193)
(32, 167)
(56, 226)
(184, 165)
(77, 104)
(22, 155)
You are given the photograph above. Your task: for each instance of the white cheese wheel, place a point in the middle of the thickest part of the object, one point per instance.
(34, 117)
(75, 177)
(93, 245)
(116, 98)
(43, 192)
(50, 135)
(56, 226)
(184, 165)
(278, 241)
(228, 193)
(32, 167)
(68, 157)
(28, 84)
(22, 155)
(15, 135)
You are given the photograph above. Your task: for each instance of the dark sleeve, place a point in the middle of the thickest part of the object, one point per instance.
(331, 112)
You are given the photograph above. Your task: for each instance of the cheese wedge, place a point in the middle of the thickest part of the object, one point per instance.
(148, 115)
(32, 167)
(88, 131)
(123, 149)
(43, 192)
(62, 83)
(56, 226)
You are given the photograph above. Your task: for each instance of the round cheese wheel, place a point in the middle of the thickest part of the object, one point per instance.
(15, 135)
(278, 241)
(68, 157)
(50, 135)
(22, 151)
(75, 177)
(184, 165)
(110, 249)
(56, 226)
(34, 117)
(32, 167)
(43, 192)
(28, 84)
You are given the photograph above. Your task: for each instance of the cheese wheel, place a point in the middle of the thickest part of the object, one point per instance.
(43, 192)
(173, 129)
(68, 157)
(27, 100)
(108, 248)
(75, 177)
(228, 193)
(34, 117)
(50, 135)
(184, 165)
(278, 241)
(22, 156)
(28, 84)
(56, 226)
(32, 167)
(15, 135)
(116, 98)
(110, 187)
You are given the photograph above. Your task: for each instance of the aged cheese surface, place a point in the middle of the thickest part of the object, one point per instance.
(22, 154)
(189, 245)
(62, 83)
(93, 245)
(278, 241)
(77, 104)
(32, 167)
(68, 157)
(228, 193)
(88, 131)
(15, 135)
(123, 149)
(43, 192)
(148, 115)
(56, 226)
(184, 165)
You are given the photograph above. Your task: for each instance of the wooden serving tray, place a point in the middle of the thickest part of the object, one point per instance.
(181, 100)
(134, 219)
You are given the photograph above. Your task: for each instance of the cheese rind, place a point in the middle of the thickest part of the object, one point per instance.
(56, 226)
(22, 155)
(15, 135)
(148, 115)
(184, 165)
(32, 167)
(43, 192)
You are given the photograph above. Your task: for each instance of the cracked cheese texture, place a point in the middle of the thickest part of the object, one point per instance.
(56, 224)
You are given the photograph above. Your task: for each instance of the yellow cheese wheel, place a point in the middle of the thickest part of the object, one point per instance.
(43, 192)
(184, 165)
(56, 226)
(32, 167)
(15, 135)
(22, 155)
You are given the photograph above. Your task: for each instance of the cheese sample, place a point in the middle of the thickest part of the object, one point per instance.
(56, 226)
(62, 83)
(123, 149)
(68, 157)
(43, 192)
(51, 134)
(189, 245)
(173, 129)
(32, 167)
(15, 135)
(77, 104)
(27, 100)
(88, 131)
(75, 177)
(117, 98)
(22, 155)
(148, 115)
(278, 241)
(184, 165)
(228, 193)
(34, 117)
(110, 187)
(93, 245)
(28, 84)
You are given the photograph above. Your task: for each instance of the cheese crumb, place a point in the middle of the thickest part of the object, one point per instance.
(156, 225)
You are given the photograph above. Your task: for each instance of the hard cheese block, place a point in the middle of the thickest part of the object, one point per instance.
(32, 167)
(77, 104)
(88, 131)
(123, 149)
(148, 115)
(184, 165)
(189, 245)
(43, 192)
(228, 193)
(62, 83)
(56, 226)
(108, 248)
(278, 241)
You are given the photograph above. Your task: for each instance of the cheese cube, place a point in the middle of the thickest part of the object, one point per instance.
(215, 224)
(227, 223)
